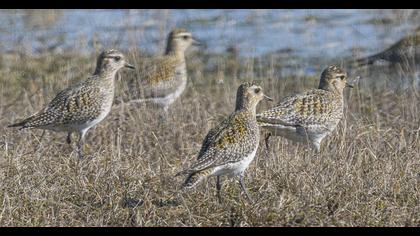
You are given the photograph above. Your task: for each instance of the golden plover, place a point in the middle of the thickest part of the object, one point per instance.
(164, 79)
(405, 51)
(229, 148)
(312, 115)
(81, 106)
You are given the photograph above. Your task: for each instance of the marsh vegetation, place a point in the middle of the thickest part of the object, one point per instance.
(366, 174)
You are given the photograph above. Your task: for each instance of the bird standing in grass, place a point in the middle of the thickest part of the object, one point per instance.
(81, 106)
(310, 116)
(163, 79)
(229, 148)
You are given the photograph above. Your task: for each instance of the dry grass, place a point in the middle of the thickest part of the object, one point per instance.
(367, 173)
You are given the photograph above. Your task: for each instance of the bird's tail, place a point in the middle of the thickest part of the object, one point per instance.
(37, 119)
(21, 124)
(184, 172)
(263, 124)
(260, 120)
(263, 121)
(193, 179)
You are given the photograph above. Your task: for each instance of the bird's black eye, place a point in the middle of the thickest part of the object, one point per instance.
(257, 90)
(342, 77)
(185, 37)
(117, 58)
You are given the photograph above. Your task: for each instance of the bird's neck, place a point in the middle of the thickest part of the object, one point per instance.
(338, 93)
(105, 72)
(174, 51)
(333, 90)
(105, 76)
(249, 107)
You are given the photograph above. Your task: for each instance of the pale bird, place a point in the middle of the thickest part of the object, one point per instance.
(310, 116)
(83, 105)
(163, 79)
(230, 147)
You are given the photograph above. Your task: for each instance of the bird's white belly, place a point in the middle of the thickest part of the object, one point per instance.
(170, 98)
(287, 132)
(299, 135)
(236, 168)
(94, 122)
(106, 108)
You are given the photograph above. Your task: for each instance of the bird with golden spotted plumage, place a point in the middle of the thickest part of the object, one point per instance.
(83, 105)
(229, 148)
(310, 116)
(163, 79)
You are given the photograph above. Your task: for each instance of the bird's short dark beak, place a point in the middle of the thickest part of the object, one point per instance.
(196, 42)
(129, 66)
(268, 98)
(349, 85)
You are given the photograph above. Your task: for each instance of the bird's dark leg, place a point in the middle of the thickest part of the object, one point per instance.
(164, 114)
(241, 181)
(80, 143)
(68, 140)
(219, 188)
(267, 142)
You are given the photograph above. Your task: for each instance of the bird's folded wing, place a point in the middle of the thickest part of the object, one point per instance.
(302, 109)
(224, 145)
(76, 103)
(157, 77)
(211, 135)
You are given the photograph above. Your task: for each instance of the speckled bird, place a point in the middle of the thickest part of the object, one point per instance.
(163, 79)
(310, 116)
(405, 51)
(229, 148)
(81, 106)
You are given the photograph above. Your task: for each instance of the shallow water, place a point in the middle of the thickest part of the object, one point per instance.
(306, 33)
